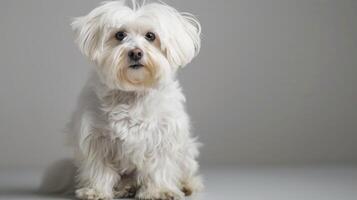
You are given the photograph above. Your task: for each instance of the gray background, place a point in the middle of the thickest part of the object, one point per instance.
(275, 82)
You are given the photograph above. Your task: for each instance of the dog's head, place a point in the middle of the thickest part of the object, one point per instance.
(137, 47)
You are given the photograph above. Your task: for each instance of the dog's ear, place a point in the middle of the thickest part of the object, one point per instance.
(87, 35)
(184, 42)
(90, 30)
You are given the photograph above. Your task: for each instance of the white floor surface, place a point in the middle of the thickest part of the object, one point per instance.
(228, 183)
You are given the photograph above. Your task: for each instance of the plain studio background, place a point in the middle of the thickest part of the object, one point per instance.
(275, 82)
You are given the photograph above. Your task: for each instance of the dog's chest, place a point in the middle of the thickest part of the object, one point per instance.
(140, 119)
(144, 127)
(128, 121)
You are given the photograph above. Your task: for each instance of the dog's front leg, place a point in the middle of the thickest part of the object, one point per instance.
(97, 176)
(158, 180)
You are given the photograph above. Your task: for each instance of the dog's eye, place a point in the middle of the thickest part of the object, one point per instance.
(150, 36)
(120, 35)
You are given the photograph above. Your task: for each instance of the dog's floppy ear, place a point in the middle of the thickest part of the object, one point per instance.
(184, 42)
(87, 32)
(90, 29)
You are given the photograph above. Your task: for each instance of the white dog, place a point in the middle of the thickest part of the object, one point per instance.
(131, 131)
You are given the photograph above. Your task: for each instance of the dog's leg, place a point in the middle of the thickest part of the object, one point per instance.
(154, 191)
(192, 185)
(159, 180)
(126, 187)
(97, 175)
(190, 182)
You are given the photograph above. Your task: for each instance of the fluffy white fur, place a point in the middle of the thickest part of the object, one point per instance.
(131, 131)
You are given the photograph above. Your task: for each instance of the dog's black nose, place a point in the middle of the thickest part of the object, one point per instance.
(135, 54)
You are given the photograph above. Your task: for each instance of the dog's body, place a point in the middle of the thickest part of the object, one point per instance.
(131, 131)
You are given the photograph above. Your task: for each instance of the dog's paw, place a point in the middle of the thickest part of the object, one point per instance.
(163, 195)
(91, 194)
(128, 191)
(192, 185)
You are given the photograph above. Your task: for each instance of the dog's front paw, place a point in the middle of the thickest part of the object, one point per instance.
(128, 191)
(192, 185)
(161, 195)
(91, 194)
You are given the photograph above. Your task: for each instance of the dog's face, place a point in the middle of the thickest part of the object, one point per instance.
(137, 48)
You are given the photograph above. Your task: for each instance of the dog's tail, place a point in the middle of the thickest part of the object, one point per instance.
(59, 178)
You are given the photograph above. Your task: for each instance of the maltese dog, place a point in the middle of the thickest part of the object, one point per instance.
(131, 132)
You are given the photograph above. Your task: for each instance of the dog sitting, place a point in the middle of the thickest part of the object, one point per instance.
(131, 132)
